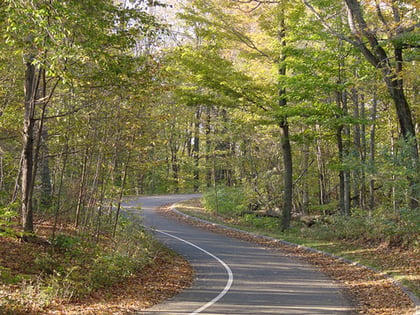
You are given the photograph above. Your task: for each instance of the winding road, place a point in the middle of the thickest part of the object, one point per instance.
(234, 276)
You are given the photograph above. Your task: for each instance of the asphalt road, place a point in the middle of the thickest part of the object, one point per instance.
(234, 276)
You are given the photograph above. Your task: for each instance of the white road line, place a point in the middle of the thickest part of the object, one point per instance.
(228, 270)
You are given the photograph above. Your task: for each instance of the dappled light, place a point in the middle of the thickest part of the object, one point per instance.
(372, 292)
(297, 120)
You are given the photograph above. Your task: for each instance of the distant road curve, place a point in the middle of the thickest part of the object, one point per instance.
(234, 276)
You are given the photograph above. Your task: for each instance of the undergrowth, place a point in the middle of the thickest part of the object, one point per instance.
(70, 266)
(394, 229)
(388, 241)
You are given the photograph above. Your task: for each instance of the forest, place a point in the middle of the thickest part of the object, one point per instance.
(303, 111)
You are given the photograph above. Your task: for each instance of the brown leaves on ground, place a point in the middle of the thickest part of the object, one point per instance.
(164, 277)
(372, 293)
(168, 275)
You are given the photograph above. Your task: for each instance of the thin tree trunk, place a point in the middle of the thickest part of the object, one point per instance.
(372, 154)
(209, 144)
(321, 172)
(347, 176)
(284, 135)
(60, 187)
(120, 195)
(45, 172)
(341, 172)
(1, 170)
(344, 174)
(101, 200)
(363, 154)
(41, 142)
(81, 195)
(305, 185)
(196, 149)
(287, 176)
(357, 149)
(28, 146)
(393, 156)
(92, 199)
(175, 166)
(17, 179)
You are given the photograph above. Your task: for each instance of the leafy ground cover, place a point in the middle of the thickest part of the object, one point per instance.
(372, 292)
(81, 275)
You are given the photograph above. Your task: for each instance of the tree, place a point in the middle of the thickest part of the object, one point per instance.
(70, 44)
(382, 39)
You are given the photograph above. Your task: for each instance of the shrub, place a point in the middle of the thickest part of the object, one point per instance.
(7, 214)
(395, 231)
(270, 224)
(227, 201)
(66, 242)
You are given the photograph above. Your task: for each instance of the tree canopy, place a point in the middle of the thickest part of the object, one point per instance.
(307, 106)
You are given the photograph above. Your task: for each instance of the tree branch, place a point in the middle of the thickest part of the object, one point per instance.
(327, 26)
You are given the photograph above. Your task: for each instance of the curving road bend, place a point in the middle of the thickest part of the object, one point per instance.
(234, 276)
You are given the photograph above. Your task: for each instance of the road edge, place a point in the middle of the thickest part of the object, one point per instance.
(413, 298)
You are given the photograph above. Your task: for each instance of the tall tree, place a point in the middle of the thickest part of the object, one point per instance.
(284, 126)
(382, 37)
(63, 40)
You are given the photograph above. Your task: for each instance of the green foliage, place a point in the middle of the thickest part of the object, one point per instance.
(268, 224)
(399, 172)
(66, 242)
(394, 231)
(227, 201)
(74, 267)
(7, 214)
(8, 277)
(110, 269)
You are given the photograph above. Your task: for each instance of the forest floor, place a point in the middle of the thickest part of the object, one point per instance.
(373, 292)
(21, 289)
(168, 274)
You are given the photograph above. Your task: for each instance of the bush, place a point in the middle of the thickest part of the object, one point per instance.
(227, 201)
(269, 224)
(74, 267)
(110, 269)
(7, 214)
(66, 242)
(395, 231)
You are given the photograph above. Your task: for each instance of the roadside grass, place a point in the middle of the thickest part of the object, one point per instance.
(400, 262)
(47, 274)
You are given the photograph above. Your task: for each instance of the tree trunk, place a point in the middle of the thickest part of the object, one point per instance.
(305, 184)
(41, 143)
(287, 176)
(1, 170)
(284, 135)
(196, 149)
(372, 154)
(356, 149)
(120, 195)
(81, 195)
(344, 174)
(60, 188)
(363, 154)
(175, 166)
(209, 149)
(341, 172)
(45, 173)
(321, 172)
(391, 72)
(28, 146)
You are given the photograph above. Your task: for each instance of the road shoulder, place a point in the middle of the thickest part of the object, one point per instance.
(372, 292)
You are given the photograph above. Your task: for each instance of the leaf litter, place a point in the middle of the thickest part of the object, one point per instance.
(371, 292)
